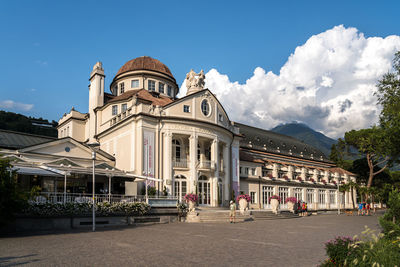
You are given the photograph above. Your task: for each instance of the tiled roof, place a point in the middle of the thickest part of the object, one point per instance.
(17, 140)
(145, 63)
(144, 95)
(260, 139)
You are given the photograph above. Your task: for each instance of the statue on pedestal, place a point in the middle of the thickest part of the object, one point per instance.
(195, 82)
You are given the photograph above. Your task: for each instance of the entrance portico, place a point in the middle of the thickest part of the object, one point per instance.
(202, 160)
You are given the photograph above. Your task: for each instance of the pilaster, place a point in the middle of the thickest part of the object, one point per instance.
(215, 164)
(193, 141)
(168, 181)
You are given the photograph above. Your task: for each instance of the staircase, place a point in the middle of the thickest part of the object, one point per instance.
(268, 215)
(221, 215)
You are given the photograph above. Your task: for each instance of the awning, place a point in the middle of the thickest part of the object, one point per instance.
(35, 171)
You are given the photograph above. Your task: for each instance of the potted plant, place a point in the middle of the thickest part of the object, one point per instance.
(182, 210)
(191, 199)
(274, 200)
(299, 179)
(290, 202)
(243, 200)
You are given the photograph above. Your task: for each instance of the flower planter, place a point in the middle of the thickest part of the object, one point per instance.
(274, 205)
(192, 205)
(290, 206)
(242, 205)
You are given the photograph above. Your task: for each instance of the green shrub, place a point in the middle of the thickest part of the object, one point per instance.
(79, 209)
(12, 200)
(182, 209)
(338, 250)
(390, 221)
(370, 250)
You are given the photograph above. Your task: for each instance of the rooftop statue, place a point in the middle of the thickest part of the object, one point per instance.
(194, 80)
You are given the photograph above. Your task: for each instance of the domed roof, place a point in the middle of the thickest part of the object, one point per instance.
(145, 63)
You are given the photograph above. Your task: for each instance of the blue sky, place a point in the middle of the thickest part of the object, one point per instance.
(48, 48)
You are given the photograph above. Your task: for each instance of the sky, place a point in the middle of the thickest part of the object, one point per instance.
(268, 62)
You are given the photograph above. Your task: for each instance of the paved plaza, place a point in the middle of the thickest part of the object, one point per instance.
(286, 242)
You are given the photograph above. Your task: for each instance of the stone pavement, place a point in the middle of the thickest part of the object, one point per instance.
(287, 242)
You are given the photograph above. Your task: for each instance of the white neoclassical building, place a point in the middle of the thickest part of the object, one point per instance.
(185, 145)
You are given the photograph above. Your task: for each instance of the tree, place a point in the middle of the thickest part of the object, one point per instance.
(338, 155)
(373, 144)
(11, 199)
(388, 94)
(390, 222)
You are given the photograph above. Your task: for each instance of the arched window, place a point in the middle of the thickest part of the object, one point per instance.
(176, 147)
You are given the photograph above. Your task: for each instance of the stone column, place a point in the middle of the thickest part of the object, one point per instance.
(316, 198)
(328, 199)
(215, 164)
(275, 170)
(226, 181)
(193, 141)
(167, 156)
(290, 174)
(303, 173)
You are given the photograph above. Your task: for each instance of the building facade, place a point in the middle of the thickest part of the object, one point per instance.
(189, 144)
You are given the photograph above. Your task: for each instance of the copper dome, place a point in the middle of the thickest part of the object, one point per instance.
(145, 63)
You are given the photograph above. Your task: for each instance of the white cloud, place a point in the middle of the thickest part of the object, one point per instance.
(327, 83)
(12, 105)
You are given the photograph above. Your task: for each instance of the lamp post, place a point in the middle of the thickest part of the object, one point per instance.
(92, 146)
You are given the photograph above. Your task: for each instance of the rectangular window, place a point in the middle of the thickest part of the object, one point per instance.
(121, 88)
(253, 171)
(246, 171)
(134, 83)
(283, 193)
(310, 196)
(332, 196)
(152, 85)
(169, 89)
(253, 197)
(114, 110)
(221, 118)
(321, 198)
(124, 107)
(298, 193)
(161, 88)
(240, 170)
(186, 108)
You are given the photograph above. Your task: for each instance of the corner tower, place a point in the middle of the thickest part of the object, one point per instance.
(96, 97)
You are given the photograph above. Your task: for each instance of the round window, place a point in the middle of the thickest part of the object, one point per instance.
(67, 149)
(205, 107)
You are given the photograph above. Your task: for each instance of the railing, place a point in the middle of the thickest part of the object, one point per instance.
(87, 198)
(180, 163)
(205, 164)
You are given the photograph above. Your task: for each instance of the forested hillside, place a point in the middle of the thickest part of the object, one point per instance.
(20, 123)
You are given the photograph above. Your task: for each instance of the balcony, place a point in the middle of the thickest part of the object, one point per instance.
(180, 163)
(206, 164)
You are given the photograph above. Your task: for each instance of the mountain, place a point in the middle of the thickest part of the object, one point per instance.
(307, 135)
(20, 123)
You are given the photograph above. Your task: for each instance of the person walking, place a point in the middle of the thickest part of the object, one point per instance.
(363, 208)
(232, 212)
(368, 208)
(360, 205)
